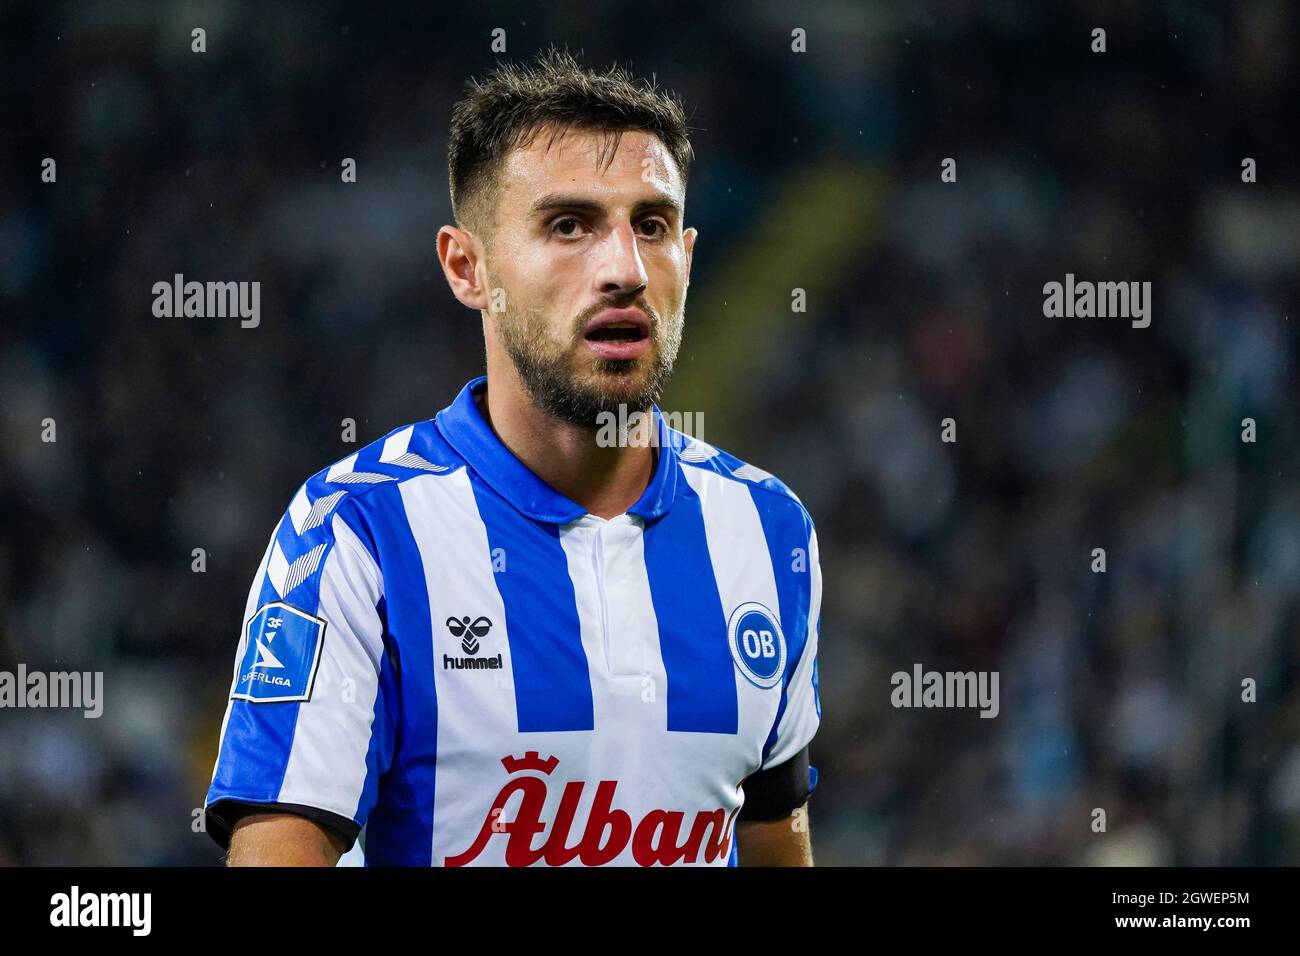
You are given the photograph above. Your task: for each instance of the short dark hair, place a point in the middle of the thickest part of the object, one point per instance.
(508, 108)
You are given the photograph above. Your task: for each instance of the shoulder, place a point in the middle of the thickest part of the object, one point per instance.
(770, 492)
(348, 490)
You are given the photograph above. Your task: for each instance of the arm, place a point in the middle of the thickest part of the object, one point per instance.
(775, 842)
(300, 749)
(772, 828)
(283, 839)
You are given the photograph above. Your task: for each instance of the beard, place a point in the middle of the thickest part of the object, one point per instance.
(566, 383)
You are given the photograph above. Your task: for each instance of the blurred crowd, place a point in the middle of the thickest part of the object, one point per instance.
(1121, 691)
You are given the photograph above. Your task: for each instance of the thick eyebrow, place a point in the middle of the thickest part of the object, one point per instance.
(558, 202)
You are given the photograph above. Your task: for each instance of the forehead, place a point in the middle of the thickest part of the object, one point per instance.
(579, 160)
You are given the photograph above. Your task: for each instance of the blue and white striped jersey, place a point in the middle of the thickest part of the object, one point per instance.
(446, 655)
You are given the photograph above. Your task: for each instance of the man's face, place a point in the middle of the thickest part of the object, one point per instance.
(594, 265)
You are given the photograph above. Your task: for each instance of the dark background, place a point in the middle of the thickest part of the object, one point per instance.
(817, 171)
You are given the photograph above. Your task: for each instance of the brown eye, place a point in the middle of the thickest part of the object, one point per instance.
(661, 228)
(561, 222)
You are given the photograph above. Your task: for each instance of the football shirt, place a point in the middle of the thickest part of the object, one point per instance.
(445, 655)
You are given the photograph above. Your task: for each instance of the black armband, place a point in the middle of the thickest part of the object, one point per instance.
(778, 791)
(222, 816)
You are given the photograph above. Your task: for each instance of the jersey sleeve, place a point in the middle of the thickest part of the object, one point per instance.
(308, 728)
(801, 708)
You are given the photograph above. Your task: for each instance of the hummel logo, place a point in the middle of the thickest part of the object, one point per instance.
(469, 632)
(479, 627)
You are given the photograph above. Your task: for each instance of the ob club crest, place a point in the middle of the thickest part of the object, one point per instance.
(757, 644)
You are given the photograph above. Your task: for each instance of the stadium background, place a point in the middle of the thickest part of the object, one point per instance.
(818, 171)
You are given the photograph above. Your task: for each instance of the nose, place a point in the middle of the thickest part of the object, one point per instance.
(621, 273)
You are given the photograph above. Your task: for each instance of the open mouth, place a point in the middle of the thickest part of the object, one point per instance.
(626, 332)
(618, 334)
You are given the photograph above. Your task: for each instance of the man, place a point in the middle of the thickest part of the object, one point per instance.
(499, 637)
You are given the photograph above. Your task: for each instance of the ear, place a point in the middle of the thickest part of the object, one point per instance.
(459, 252)
(688, 242)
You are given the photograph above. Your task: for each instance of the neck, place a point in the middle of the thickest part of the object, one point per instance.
(605, 481)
